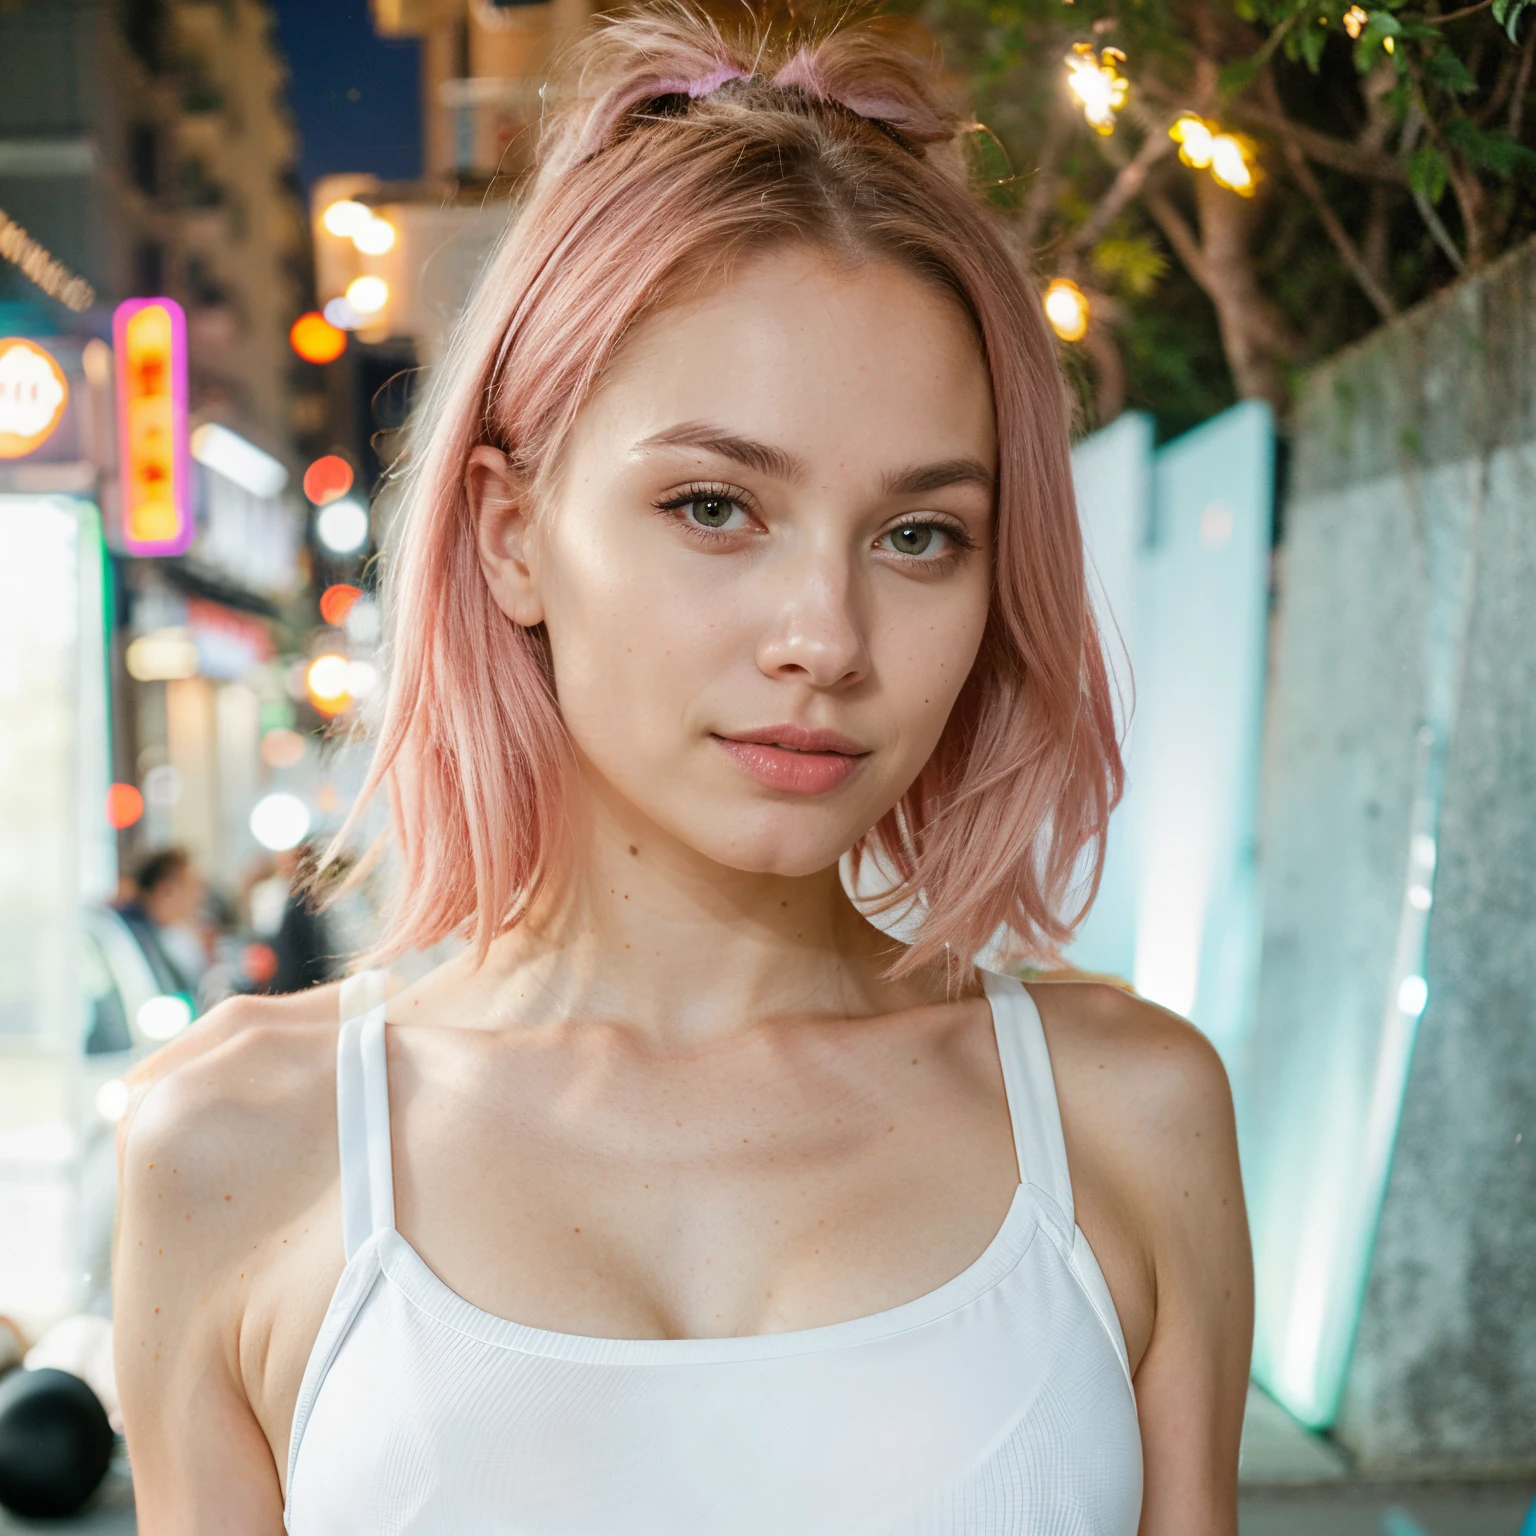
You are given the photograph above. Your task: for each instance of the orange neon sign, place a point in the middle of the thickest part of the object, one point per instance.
(151, 344)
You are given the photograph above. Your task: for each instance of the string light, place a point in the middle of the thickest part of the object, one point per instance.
(1066, 307)
(1097, 84)
(1227, 156)
(53, 277)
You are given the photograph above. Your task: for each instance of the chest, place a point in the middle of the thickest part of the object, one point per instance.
(698, 1199)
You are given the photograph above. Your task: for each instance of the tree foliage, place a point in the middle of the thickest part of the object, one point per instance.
(1390, 146)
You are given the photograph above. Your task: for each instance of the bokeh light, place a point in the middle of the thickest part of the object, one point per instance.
(375, 237)
(327, 478)
(367, 294)
(346, 217)
(280, 821)
(124, 806)
(336, 603)
(327, 683)
(163, 1017)
(315, 339)
(282, 748)
(1066, 307)
(342, 526)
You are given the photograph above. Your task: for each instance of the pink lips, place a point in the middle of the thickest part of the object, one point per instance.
(796, 759)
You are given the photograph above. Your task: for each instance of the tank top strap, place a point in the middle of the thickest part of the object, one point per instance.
(1031, 1088)
(362, 1112)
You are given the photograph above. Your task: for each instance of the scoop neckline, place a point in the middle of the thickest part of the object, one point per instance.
(405, 1269)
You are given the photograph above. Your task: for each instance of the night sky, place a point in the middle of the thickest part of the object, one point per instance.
(355, 96)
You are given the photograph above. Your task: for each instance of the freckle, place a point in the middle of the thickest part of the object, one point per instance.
(889, 1129)
(160, 1250)
(189, 1216)
(242, 1274)
(914, 1061)
(767, 1293)
(633, 849)
(679, 1122)
(229, 1197)
(151, 1165)
(157, 1311)
(1186, 1194)
(575, 1229)
(743, 1141)
(626, 895)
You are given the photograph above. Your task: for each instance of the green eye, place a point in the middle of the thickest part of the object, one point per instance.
(711, 511)
(914, 539)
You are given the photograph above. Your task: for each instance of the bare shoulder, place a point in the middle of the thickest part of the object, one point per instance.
(236, 1115)
(1141, 1077)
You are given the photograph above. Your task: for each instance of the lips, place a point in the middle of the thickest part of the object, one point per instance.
(795, 759)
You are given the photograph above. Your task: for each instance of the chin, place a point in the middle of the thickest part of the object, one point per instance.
(788, 841)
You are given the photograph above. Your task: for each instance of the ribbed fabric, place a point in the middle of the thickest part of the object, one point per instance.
(999, 1403)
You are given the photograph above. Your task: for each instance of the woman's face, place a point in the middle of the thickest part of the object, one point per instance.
(766, 567)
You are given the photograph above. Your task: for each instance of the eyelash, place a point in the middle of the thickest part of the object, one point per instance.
(960, 541)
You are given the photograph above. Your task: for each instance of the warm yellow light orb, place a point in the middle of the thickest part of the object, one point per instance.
(368, 294)
(1097, 84)
(345, 218)
(1066, 307)
(375, 237)
(327, 684)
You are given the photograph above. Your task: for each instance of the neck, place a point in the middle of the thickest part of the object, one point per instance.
(642, 929)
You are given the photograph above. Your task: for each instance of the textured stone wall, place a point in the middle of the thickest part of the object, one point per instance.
(1405, 666)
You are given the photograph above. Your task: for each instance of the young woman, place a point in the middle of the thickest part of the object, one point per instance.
(739, 539)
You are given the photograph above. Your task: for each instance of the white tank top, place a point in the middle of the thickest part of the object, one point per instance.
(999, 1403)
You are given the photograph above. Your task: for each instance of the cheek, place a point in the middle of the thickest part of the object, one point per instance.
(633, 644)
(923, 653)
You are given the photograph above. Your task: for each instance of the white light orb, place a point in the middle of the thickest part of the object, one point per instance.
(163, 1017)
(368, 294)
(342, 525)
(345, 218)
(1412, 995)
(375, 237)
(280, 821)
(341, 314)
(112, 1100)
(362, 678)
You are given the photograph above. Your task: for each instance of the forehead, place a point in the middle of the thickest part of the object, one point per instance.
(855, 368)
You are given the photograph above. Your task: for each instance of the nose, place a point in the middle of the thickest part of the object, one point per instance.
(815, 633)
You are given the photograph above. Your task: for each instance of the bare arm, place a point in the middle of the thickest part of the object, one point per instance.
(201, 1464)
(1192, 1384)
(226, 1144)
(1153, 1148)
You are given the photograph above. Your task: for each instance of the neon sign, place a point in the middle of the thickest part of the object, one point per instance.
(151, 345)
(33, 394)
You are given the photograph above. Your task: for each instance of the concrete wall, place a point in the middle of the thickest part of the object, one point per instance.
(1399, 839)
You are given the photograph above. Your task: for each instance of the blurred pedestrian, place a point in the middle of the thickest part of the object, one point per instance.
(163, 912)
(302, 943)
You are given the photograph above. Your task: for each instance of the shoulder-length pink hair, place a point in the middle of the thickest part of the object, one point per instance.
(683, 149)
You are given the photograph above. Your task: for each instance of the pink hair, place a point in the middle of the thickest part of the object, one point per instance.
(682, 150)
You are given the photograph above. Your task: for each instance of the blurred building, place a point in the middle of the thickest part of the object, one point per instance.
(146, 146)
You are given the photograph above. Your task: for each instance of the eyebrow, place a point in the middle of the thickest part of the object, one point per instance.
(783, 465)
(934, 477)
(747, 451)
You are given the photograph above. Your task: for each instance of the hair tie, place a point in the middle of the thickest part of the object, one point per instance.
(705, 85)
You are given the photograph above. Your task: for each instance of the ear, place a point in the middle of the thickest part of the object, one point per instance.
(498, 502)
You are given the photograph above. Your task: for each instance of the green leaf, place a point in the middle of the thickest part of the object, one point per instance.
(1133, 263)
(1507, 13)
(1313, 40)
(1449, 73)
(1379, 26)
(1236, 78)
(1428, 173)
(1489, 150)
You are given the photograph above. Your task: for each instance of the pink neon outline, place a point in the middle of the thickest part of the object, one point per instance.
(182, 484)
